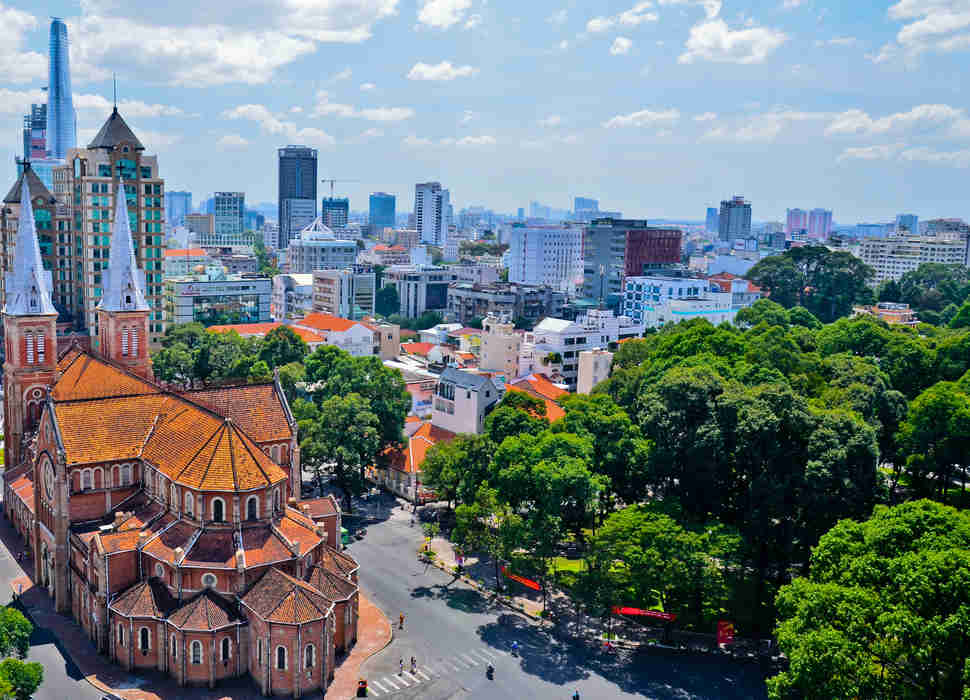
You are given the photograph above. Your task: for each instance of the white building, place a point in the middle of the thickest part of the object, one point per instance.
(462, 400)
(432, 209)
(549, 255)
(438, 335)
(475, 274)
(554, 344)
(658, 299)
(594, 367)
(352, 336)
(420, 287)
(500, 346)
(292, 296)
(894, 256)
(347, 293)
(318, 248)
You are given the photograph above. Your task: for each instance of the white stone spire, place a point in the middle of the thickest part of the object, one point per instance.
(123, 281)
(28, 283)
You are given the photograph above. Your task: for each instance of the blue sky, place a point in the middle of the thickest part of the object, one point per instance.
(657, 108)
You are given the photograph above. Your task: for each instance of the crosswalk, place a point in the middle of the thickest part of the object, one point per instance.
(428, 671)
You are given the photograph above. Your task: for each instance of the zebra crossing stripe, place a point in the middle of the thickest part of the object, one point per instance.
(424, 675)
(472, 660)
(412, 677)
(391, 683)
(480, 655)
(382, 688)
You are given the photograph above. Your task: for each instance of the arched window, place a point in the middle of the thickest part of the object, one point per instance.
(87, 480)
(29, 340)
(252, 508)
(175, 497)
(218, 510)
(113, 477)
(175, 647)
(124, 341)
(121, 635)
(309, 656)
(144, 639)
(225, 648)
(277, 501)
(281, 658)
(197, 652)
(275, 453)
(189, 502)
(40, 346)
(259, 652)
(125, 474)
(209, 580)
(159, 571)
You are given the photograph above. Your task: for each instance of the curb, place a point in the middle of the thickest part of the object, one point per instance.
(474, 584)
(376, 651)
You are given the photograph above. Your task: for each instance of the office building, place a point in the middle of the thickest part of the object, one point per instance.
(292, 296)
(61, 119)
(549, 255)
(659, 299)
(254, 221)
(87, 185)
(475, 273)
(218, 299)
(420, 287)
(710, 221)
(177, 205)
(297, 215)
(586, 209)
(894, 256)
(616, 248)
(230, 208)
(819, 223)
(796, 221)
(907, 224)
(318, 248)
(431, 213)
(297, 179)
(468, 301)
(201, 226)
(948, 229)
(179, 262)
(347, 293)
(334, 212)
(734, 220)
(35, 133)
(381, 214)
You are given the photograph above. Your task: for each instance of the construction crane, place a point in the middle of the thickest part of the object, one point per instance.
(332, 181)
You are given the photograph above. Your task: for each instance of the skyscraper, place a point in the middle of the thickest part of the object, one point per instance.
(297, 181)
(61, 119)
(819, 223)
(796, 220)
(734, 220)
(382, 211)
(334, 212)
(230, 213)
(177, 205)
(710, 222)
(909, 222)
(431, 207)
(35, 133)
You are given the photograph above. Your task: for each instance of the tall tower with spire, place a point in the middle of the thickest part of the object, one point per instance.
(123, 312)
(30, 334)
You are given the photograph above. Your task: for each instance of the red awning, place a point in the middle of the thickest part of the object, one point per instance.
(656, 614)
(528, 583)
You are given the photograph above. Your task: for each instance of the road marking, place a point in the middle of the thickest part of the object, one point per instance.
(471, 659)
(424, 675)
(411, 676)
(400, 679)
(482, 656)
(371, 691)
(458, 663)
(391, 683)
(382, 688)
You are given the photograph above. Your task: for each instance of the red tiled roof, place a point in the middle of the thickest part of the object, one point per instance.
(553, 410)
(466, 331)
(23, 487)
(421, 349)
(299, 529)
(164, 545)
(185, 253)
(86, 377)
(408, 333)
(411, 458)
(257, 409)
(337, 562)
(320, 507)
(538, 384)
(326, 322)
(278, 597)
(261, 546)
(333, 586)
(214, 549)
(206, 611)
(146, 599)
(261, 329)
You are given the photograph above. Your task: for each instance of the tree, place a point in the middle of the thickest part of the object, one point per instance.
(518, 413)
(281, 346)
(935, 438)
(487, 525)
(259, 372)
(21, 677)
(266, 262)
(175, 364)
(290, 375)
(476, 322)
(882, 613)
(15, 631)
(455, 469)
(888, 290)
(962, 317)
(387, 302)
(933, 286)
(763, 311)
(345, 434)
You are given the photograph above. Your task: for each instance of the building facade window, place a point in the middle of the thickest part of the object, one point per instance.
(209, 580)
(218, 510)
(197, 652)
(175, 647)
(281, 658)
(121, 635)
(309, 656)
(259, 652)
(252, 508)
(188, 502)
(144, 639)
(159, 571)
(225, 649)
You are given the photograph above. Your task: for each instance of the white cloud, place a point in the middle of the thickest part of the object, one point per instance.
(472, 22)
(551, 120)
(920, 118)
(412, 141)
(792, 4)
(183, 42)
(837, 41)
(440, 71)
(636, 15)
(705, 117)
(387, 114)
(762, 128)
(324, 107)
(956, 159)
(129, 108)
(296, 110)
(644, 117)
(563, 45)
(365, 87)
(155, 140)
(558, 18)
(599, 24)
(883, 152)
(228, 141)
(714, 41)
(621, 46)
(442, 14)
(271, 124)
(16, 64)
(468, 116)
(928, 25)
(712, 8)
(18, 101)
(345, 74)
(372, 133)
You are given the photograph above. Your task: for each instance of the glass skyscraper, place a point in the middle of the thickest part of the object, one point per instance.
(297, 181)
(382, 211)
(61, 120)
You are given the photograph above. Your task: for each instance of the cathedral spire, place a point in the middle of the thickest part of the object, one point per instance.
(28, 283)
(123, 288)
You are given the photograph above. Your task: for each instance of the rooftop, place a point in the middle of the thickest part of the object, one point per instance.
(261, 329)
(326, 322)
(466, 380)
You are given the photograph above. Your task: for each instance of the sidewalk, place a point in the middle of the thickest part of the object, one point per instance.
(373, 634)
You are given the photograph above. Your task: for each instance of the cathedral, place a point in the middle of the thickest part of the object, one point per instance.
(166, 523)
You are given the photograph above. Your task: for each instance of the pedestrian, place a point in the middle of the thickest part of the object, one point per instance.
(414, 665)
(400, 622)
(401, 666)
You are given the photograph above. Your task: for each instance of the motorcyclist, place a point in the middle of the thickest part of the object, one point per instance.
(515, 647)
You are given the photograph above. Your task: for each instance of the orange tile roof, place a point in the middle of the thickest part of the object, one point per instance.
(214, 549)
(261, 329)
(538, 384)
(320, 507)
(106, 430)
(408, 333)
(299, 531)
(67, 357)
(466, 331)
(333, 586)
(146, 599)
(261, 546)
(23, 487)
(465, 355)
(207, 611)
(553, 410)
(185, 252)
(326, 322)
(170, 538)
(114, 542)
(278, 597)
(421, 349)
(86, 377)
(337, 562)
(411, 458)
(257, 408)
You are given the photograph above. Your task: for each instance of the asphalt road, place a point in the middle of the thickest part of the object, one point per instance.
(454, 632)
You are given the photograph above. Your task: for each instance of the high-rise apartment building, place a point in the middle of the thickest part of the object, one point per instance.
(382, 211)
(819, 223)
(87, 185)
(431, 212)
(297, 167)
(710, 221)
(177, 205)
(907, 224)
(318, 248)
(334, 212)
(347, 293)
(948, 229)
(35, 133)
(796, 220)
(616, 248)
(550, 255)
(896, 255)
(734, 220)
(230, 213)
(61, 119)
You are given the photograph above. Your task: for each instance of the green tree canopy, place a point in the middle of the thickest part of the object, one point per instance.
(22, 678)
(15, 631)
(387, 302)
(281, 346)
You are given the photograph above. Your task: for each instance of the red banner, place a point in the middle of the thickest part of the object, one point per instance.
(725, 631)
(528, 583)
(656, 614)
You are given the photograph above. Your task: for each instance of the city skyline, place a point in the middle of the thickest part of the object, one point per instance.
(868, 106)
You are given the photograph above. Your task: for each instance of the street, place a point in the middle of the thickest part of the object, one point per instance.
(454, 633)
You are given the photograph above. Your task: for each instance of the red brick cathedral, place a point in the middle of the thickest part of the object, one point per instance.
(166, 523)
